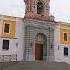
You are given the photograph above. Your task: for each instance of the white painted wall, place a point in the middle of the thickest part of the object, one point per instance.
(59, 53)
(12, 48)
(16, 45)
(56, 42)
(20, 38)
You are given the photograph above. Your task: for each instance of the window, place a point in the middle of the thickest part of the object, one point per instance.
(40, 7)
(6, 29)
(5, 44)
(65, 36)
(65, 51)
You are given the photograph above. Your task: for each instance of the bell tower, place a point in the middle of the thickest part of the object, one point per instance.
(37, 9)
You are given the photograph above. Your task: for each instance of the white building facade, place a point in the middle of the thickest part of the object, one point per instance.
(11, 38)
(36, 37)
(62, 42)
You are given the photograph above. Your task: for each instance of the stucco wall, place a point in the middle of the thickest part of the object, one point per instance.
(16, 45)
(59, 47)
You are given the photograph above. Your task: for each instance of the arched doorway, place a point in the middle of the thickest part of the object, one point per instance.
(40, 46)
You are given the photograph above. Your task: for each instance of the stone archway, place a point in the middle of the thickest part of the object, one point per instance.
(40, 46)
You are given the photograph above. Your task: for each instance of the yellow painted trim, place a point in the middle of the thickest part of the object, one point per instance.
(64, 29)
(12, 28)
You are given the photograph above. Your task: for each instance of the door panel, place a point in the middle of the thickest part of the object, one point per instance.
(39, 52)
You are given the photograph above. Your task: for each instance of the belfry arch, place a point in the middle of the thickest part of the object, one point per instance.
(40, 7)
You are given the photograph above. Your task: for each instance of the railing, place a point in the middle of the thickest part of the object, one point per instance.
(4, 58)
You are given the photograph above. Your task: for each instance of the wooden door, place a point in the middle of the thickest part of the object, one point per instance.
(39, 52)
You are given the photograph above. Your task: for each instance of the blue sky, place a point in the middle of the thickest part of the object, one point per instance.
(58, 8)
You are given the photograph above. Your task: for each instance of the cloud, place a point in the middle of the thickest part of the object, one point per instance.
(12, 7)
(60, 9)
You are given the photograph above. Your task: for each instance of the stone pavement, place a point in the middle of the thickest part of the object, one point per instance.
(34, 66)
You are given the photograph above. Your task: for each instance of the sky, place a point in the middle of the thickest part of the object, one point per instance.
(12, 7)
(58, 8)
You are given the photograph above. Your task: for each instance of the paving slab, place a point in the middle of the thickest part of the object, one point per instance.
(34, 66)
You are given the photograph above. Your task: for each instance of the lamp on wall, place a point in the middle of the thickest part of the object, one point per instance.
(58, 47)
(16, 44)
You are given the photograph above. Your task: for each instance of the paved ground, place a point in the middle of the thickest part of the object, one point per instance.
(34, 66)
